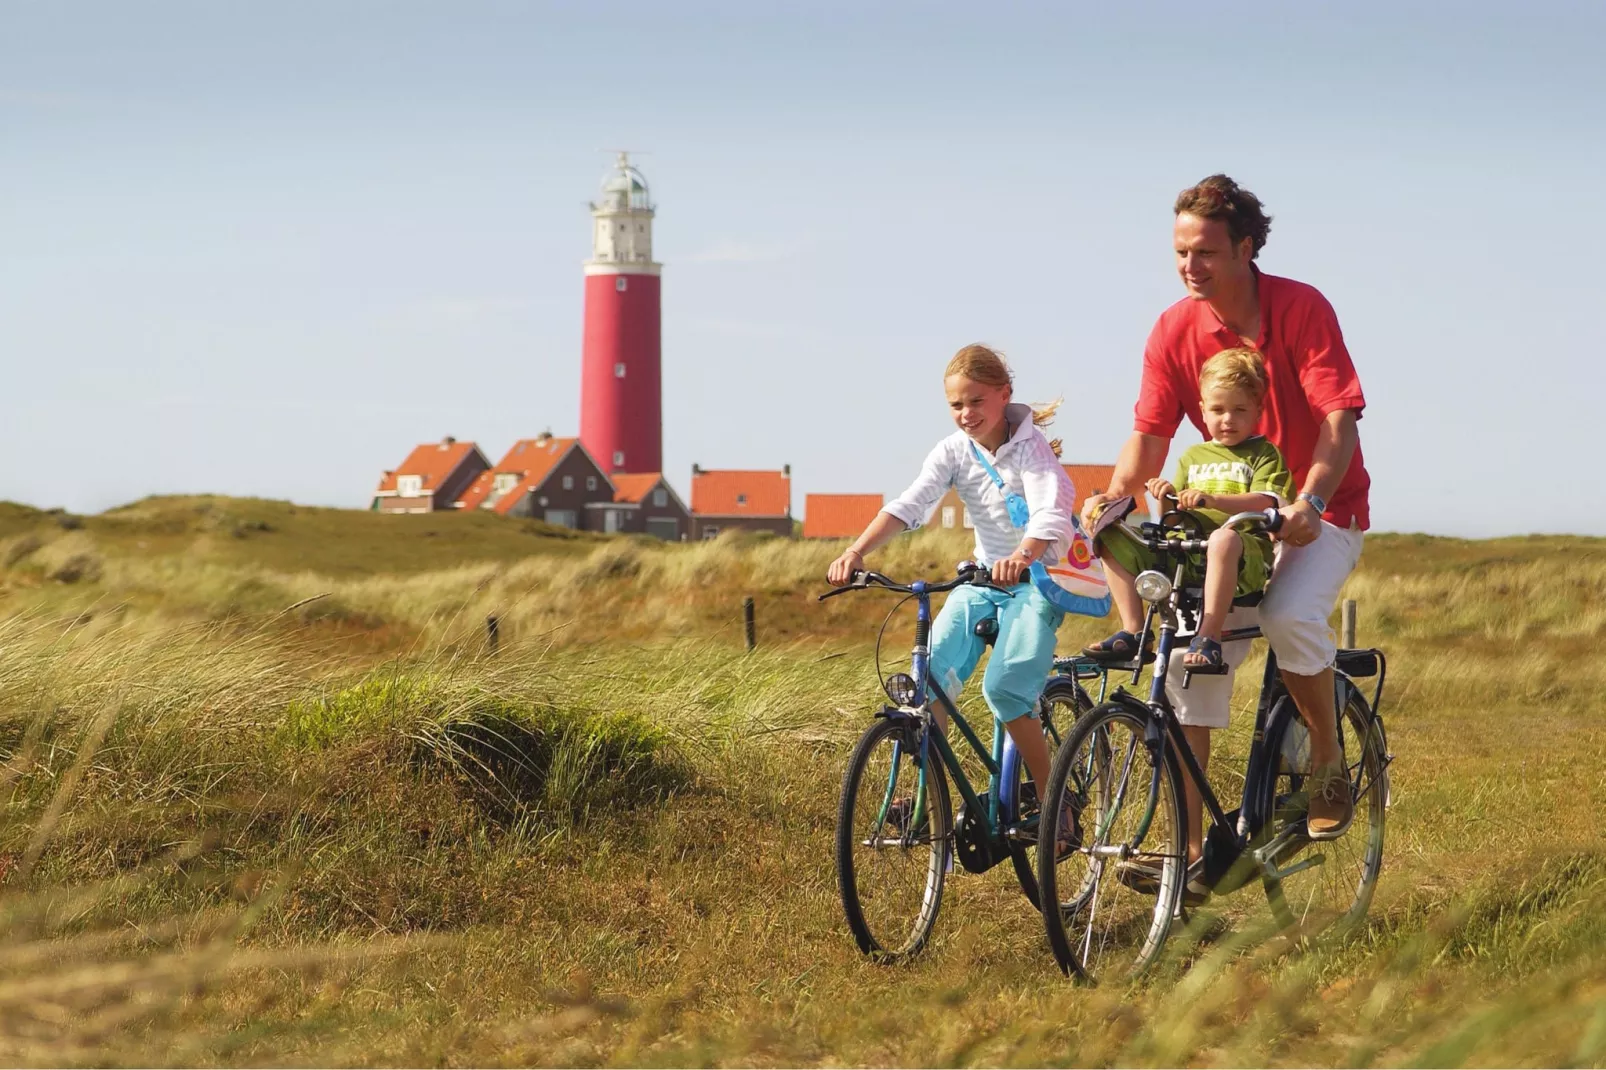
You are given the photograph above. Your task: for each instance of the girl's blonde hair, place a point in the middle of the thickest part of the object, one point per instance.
(1236, 369)
(985, 365)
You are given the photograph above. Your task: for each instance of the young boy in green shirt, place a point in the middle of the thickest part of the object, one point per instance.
(1236, 471)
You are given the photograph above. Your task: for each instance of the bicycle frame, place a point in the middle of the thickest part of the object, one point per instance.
(1000, 760)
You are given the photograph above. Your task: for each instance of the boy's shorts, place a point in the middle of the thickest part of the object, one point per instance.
(1127, 549)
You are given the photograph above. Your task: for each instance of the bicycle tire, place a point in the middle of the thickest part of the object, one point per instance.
(1085, 774)
(873, 911)
(1062, 704)
(1336, 894)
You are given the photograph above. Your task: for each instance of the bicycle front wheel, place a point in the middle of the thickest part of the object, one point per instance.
(1326, 883)
(894, 835)
(1117, 818)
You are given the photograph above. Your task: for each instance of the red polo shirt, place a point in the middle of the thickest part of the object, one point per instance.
(1308, 367)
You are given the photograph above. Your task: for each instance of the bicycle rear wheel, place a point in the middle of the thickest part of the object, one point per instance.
(893, 840)
(1062, 703)
(1107, 905)
(1327, 883)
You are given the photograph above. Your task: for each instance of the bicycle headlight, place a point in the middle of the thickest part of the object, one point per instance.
(901, 689)
(1152, 586)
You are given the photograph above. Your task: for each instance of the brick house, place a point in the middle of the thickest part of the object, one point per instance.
(838, 516)
(644, 502)
(551, 479)
(746, 499)
(1087, 478)
(432, 478)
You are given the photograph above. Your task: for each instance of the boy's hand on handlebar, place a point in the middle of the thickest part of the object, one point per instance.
(842, 569)
(1161, 489)
(1194, 499)
(1008, 572)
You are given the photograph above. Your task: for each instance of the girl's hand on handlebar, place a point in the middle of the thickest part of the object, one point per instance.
(1194, 499)
(1161, 489)
(1008, 572)
(842, 569)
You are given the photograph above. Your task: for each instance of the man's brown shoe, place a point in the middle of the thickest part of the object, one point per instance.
(1331, 807)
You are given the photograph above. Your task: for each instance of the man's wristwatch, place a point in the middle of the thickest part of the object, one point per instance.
(1317, 502)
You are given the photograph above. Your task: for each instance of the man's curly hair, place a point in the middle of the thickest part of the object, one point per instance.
(1219, 197)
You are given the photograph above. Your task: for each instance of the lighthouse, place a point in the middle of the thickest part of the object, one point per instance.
(621, 414)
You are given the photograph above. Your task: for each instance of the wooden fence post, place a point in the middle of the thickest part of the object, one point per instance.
(1347, 624)
(493, 633)
(747, 623)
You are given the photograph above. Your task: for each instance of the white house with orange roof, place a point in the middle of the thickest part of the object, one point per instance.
(432, 478)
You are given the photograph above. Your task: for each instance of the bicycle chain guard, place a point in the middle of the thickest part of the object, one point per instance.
(973, 842)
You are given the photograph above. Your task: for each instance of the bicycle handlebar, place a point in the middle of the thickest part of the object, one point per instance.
(1266, 520)
(861, 581)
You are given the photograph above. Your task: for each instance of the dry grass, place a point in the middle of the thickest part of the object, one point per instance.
(342, 832)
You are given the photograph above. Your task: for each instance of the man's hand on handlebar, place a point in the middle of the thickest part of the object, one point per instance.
(842, 569)
(1301, 526)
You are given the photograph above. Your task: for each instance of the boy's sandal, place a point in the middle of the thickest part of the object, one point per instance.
(1209, 650)
(1122, 646)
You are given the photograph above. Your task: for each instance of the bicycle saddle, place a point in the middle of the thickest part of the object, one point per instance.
(987, 629)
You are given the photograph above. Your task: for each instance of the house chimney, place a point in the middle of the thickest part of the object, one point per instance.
(544, 437)
(786, 470)
(447, 441)
(696, 469)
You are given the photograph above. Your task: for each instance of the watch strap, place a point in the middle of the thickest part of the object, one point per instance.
(1317, 502)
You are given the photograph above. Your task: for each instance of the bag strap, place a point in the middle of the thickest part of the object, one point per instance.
(998, 480)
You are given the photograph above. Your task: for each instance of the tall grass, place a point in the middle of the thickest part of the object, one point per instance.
(266, 816)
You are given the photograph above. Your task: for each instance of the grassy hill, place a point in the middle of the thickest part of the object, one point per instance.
(271, 799)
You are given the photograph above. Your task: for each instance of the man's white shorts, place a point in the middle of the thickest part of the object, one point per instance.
(1303, 590)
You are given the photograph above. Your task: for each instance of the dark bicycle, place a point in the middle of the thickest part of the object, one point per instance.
(1109, 904)
(896, 833)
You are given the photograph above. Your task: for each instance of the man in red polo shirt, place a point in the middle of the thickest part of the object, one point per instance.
(1312, 404)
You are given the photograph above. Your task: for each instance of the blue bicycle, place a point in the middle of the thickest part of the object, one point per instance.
(896, 833)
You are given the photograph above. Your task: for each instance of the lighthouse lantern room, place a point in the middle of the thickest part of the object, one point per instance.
(621, 422)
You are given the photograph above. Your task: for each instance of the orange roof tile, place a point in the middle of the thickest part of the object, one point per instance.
(434, 461)
(530, 459)
(635, 486)
(1089, 479)
(733, 492)
(838, 516)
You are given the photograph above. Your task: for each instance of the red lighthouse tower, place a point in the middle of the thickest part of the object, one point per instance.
(621, 407)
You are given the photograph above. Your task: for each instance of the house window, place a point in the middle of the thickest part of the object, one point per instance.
(741, 499)
(568, 482)
(947, 516)
(710, 532)
(619, 283)
(409, 486)
(618, 371)
(504, 482)
(591, 482)
(563, 518)
(660, 497)
(618, 458)
(968, 524)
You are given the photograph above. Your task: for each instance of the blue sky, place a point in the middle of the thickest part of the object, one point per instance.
(265, 249)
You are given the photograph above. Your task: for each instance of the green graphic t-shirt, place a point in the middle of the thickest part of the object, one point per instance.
(1254, 466)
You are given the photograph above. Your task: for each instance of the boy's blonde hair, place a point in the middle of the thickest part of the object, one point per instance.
(1236, 369)
(985, 365)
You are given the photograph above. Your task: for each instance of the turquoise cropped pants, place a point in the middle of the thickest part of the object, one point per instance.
(1022, 655)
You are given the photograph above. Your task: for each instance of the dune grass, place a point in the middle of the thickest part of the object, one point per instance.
(259, 812)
